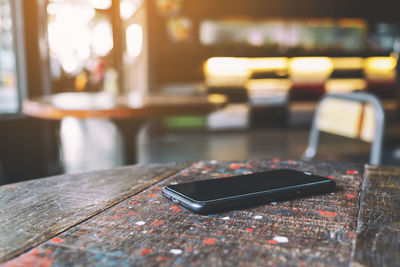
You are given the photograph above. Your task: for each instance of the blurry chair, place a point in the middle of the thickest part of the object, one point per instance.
(355, 115)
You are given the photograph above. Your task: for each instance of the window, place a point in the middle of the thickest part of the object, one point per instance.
(9, 93)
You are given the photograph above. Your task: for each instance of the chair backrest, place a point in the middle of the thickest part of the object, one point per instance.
(355, 115)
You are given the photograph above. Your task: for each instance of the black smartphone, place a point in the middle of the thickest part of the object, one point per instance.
(243, 191)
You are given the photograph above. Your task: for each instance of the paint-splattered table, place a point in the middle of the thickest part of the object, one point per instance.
(119, 218)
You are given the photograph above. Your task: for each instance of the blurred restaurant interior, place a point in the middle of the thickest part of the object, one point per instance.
(95, 84)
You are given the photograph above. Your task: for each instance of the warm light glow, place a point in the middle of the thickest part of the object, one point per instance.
(100, 4)
(226, 71)
(244, 66)
(126, 9)
(134, 40)
(311, 65)
(310, 69)
(345, 85)
(348, 63)
(380, 64)
(268, 85)
(217, 98)
(381, 69)
(102, 40)
(268, 64)
(227, 66)
(129, 7)
(76, 34)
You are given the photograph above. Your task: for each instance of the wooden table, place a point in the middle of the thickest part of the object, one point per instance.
(118, 217)
(128, 111)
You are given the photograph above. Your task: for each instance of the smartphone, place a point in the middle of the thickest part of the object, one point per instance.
(243, 191)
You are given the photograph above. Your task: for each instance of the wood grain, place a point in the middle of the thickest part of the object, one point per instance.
(34, 211)
(378, 228)
(149, 230)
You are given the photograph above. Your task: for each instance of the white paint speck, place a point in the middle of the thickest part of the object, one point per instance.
(176, 251)
(281, 239)
(273, 203)
(213, 162)
(226, 218)
(257, 217)
(144, 232)
(191, 228)
(140, 223)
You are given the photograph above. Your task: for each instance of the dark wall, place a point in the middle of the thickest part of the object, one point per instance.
(28, 150)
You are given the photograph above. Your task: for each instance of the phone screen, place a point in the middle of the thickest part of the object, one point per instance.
(208, 190)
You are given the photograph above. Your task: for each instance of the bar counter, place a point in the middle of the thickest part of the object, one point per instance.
(118, 217)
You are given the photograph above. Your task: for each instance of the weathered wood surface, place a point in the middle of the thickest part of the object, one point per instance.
(378, 229)
(34, 211)
(147, 229)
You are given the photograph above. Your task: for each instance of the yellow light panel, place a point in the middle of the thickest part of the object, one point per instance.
(345, 85)
(380, 64)
(315, 65)
(348, 63)
(227, 66)
(268, 64)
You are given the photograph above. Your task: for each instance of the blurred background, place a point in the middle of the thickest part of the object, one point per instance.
(271, 59)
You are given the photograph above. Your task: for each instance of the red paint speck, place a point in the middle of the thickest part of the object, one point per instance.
(151, 195)
(236, 166)
(331, 177)
(249, 166)
(48, 252)
(145, 251)
(209, 241)
(185, 174)
(289, 161)
(30, 259)
(116, 216)
(351, 172)
(273, 166)
(276, 160)
(351, 235)
(158, 222)
(34, 252)
(249, 230)
(350, 195)
(161, 258)
(132, 213)
(272, 241)
(132, 202)
(176, 209)
(328, 214)
(57, 240)
(113, 209)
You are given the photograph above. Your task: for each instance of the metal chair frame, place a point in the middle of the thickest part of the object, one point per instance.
(376, 147)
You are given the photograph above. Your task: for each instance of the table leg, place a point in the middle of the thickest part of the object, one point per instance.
(50, 139)
(129, 129)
